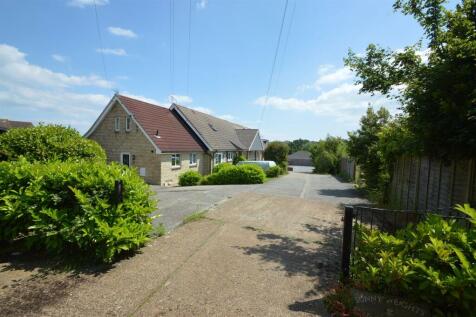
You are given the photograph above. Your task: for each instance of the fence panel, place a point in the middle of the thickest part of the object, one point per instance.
(422, 183)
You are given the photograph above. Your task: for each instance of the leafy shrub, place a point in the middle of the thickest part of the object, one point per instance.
(236, 174)
(49, 143)
(68, 207)
(433, 261)
(190, 178)
(218, 167)
(238, 159)
(325, 163)
(274, 171)
(277, 152)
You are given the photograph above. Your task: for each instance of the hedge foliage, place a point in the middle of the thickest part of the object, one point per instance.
(278, 152)
(434, 262)
(48, 143)
(68, 207)
(190, 178)
(218, 167)
(235, 174)
(274, 171)
(238, 158)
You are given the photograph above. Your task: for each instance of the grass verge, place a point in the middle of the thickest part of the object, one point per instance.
(196, 216)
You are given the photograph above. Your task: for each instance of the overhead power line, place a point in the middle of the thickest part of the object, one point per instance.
(285, 48)
(172, 31)
(189, 44)
(98, 28)
(274, 61)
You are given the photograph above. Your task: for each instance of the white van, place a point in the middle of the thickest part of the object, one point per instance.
(265, 165)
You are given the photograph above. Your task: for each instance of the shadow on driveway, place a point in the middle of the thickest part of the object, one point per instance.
(318, 259)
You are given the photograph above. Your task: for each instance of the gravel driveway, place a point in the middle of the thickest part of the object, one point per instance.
(175, 203)
(265, 250)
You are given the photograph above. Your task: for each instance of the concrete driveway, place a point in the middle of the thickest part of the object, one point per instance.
(265, 250)
(175, 203)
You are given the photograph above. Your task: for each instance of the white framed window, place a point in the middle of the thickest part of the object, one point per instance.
(175, 159)
(128, 123)
(218, 158)
(117, 124)
(193, 159)
(230, 156)
(126, 159)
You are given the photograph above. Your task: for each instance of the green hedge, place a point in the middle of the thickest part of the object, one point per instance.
(218, 167)
(434, 262)
(274, 171)
(190, 178)
(236, 174)
(68, 207)
(48, 143)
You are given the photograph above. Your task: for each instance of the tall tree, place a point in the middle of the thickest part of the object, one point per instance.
(435, 85)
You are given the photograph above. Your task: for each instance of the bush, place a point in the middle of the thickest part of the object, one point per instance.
(236, 174)
(277, 152)
(190, 178)
(68, 207)
(238, 159)
(220, 166)
(433, 262)
(48, 143)
(324, 163)
(274, 171)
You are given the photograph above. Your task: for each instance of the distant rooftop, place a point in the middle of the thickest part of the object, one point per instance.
(6, 124)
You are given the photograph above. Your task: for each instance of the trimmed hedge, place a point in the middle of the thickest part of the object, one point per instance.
(190, 178)
(68, 207)
(48, 143)
(238, 158)
(274, 171)
(218, 167)
(236, 174)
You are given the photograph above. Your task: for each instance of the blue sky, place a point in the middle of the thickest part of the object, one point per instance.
(51, 69)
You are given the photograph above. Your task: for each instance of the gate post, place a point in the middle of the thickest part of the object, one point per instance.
(347, 243)
(118, 188)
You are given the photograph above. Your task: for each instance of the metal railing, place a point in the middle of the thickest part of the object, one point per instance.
(385, 220)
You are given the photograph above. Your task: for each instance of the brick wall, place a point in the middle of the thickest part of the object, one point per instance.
(133, 142)
(170, 173)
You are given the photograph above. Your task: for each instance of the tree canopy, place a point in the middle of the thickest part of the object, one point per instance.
(435, 83)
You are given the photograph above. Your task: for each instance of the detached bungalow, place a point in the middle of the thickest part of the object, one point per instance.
(163, 143)
(223, 139)
(148, 137)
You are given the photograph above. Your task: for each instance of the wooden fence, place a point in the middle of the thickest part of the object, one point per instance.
(347, 168)
(423, 183)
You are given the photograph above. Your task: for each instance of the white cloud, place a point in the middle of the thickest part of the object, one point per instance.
(121, 32)
(14, 68)
(142, 98)
(202, 4)
(343, 103)
(227, 117)
(112, 51)
(333, 77)
(59, 58)
(202, 109)
(85, 3)
(40, 92)
(181, 100)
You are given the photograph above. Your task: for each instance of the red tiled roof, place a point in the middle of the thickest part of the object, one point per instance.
(174, 135)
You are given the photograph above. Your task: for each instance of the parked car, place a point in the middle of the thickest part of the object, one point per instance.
(265, 165)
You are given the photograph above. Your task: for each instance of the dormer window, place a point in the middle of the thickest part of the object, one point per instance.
(117, 124)
(128, 123)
